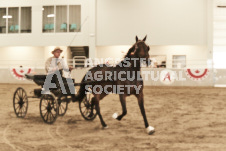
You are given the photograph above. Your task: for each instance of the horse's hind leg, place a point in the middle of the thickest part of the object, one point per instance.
(96, 103)
(140, 98)
(123, 103)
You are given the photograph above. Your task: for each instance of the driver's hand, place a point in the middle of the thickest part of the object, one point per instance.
(70, 68)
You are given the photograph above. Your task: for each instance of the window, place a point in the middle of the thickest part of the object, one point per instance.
(3, 20)
(13, 20)
(75, 18)
(48, 19)
(158, 61)
(61, 18)
(179, 61)
(25, 20)
(9, 22)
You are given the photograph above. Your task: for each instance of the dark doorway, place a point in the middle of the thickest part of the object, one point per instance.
(79, 54)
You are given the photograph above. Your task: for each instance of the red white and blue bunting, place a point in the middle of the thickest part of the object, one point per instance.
(197, 74)
(19, 72)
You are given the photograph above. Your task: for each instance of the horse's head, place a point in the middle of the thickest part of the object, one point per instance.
(141, 49)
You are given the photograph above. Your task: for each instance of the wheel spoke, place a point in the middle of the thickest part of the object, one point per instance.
(87, 113)
(17, 99)
(24, 97)
(45, 115)
(44, 105)
(25, 104)
(47, 100)
(43, 109)
(55, 107)
(17, 107)
(50, 117)
(53, 115)
(84, 111)
(20, 92)
(89, 96)
(60, 109)
(83, 105)
(17, 92)
(20, 111)
(63, 107)
(24, 107)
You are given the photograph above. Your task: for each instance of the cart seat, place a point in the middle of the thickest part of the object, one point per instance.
(35, 76)
(29, 76)
(39, 79)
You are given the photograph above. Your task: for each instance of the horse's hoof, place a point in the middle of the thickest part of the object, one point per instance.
(105, 127)
(115, 115)
(150, 130)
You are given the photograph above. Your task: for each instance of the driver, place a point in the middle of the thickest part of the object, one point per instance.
(55, 64)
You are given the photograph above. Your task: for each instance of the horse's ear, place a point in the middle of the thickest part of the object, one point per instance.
(145, 38)
(136, 38)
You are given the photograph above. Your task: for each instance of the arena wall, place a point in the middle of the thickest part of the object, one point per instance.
(196, 55)
(173, 22)
(151, 77)
(109, 28)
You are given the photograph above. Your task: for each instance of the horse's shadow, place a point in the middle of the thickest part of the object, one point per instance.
(28, 118)
(74, 119)
(33, 118)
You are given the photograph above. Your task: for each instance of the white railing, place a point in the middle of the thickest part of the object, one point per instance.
(87, 62)
(78, 61)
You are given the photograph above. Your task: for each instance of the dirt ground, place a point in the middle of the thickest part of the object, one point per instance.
(188, 118)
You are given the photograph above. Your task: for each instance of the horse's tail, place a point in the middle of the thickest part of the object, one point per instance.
(82, 91)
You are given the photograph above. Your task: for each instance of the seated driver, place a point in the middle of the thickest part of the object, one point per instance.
(56, 65)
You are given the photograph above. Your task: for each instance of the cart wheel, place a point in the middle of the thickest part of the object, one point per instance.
(48, 108)
(85, 108)
(20, 102)
(63, 104)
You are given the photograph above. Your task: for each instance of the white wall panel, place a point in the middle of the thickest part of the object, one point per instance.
(196, 56)
(166, 22)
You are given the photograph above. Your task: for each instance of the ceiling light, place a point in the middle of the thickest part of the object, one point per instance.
(7, 16)
(50, 15)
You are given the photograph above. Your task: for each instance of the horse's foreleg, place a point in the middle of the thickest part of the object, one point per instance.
(92, 106)
(124, 110)
(140, 98)
(96, 103)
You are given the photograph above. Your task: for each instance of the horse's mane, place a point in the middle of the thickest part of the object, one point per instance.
(128, 55)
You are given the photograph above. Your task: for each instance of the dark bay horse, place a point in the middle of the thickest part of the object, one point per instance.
(124, 79)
